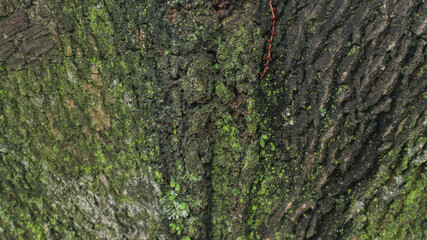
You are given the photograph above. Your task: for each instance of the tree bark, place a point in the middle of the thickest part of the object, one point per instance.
(148, 119)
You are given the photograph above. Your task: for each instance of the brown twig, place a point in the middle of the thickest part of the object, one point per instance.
(270, 41)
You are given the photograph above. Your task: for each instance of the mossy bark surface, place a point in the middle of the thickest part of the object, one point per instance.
(147, 119)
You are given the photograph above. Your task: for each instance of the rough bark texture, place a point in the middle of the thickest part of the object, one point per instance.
(133, 119)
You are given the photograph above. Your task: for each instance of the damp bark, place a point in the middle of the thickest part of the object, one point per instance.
(149, 119)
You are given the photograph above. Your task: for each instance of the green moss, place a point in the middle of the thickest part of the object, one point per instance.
(311, 27)
(236, 154)
(404, 215)
(222, 92)
(70, 122)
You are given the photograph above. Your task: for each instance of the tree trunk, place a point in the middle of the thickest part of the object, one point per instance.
(148, 119)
